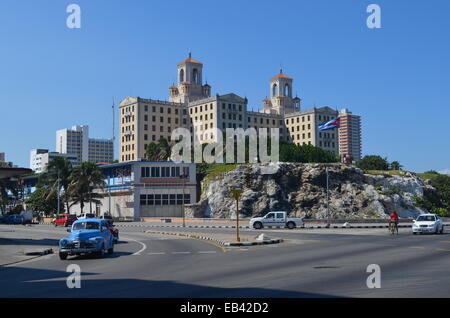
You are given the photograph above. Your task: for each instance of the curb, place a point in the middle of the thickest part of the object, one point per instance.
(40, 253)
(267, 227)
(220, 242)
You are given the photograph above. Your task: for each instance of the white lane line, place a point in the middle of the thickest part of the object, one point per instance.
(157, 253)
(144, 247)
(207, 252)
(181, 252)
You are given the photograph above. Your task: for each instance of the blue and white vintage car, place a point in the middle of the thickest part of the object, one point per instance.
(87, 236)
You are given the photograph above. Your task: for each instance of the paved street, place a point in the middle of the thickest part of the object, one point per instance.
(310, 263)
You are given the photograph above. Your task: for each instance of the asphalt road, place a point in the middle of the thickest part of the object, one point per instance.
(310, 263)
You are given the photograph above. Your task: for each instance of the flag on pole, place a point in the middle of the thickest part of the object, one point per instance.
(334, 123)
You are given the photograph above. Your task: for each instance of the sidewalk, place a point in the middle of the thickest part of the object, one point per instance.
(15, 247)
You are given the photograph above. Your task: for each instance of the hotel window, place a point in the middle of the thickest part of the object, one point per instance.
(155, 172)
(179, 199)
(146, 108)
(157, 199)
(187, 199)
(153, 118)
(165, 171)
(165, 199)
(145, 118)
(176, 111)
(169, 110)
(143, 199)
(161, 110)
(153, 109)
(172, 199)
(150, 199)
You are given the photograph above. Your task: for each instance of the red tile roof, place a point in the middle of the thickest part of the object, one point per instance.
(190, 60)
(281, 75)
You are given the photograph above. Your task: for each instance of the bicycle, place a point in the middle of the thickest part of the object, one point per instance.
(393, 228)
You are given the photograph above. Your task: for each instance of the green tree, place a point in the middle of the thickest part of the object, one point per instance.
(395, 165)
(373, 162)
(84, 179)
(8, 191)
(159, 151)
(43, 199)
(57, 177)
(438, 200)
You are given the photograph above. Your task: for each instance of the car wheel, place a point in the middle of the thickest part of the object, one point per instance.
(101, 253)
(290, 225)
(111, 250)
(442, 230)
(62, 256)
(257, 225)
(414, 233)
(55, 224)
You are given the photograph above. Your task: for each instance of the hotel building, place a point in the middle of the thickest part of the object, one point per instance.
(190, 105)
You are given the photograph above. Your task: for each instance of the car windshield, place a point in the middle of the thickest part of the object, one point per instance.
(86, 226)
(426, 218)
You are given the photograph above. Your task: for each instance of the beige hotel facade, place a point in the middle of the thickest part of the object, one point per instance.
(190, 105)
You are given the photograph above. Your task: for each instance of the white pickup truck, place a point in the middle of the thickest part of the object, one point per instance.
(277, 218)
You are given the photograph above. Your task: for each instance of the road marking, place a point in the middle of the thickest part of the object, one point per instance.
(417, 247)
(157, 253)
(443, 249)
(207, 252)
(181, 252)
(144, 247)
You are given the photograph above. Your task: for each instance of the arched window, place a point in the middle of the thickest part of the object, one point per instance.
(274, 90)
(287, 90)
(181, 75)
(195, 76)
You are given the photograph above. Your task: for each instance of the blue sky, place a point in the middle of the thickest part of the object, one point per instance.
(397, 77)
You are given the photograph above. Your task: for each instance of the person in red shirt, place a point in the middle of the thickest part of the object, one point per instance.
(394, 219)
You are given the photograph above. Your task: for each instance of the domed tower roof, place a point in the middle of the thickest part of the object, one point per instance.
(190, 60)
(281, 75)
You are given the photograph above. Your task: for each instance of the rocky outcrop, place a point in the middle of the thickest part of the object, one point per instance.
(300, 189)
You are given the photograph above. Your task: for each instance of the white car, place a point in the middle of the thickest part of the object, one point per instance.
(86, 216)
(278, 218)
(428, 223)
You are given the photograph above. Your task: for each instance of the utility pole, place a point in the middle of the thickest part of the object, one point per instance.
(57, 210)
(328, 200)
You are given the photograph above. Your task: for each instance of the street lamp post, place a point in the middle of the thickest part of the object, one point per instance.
(183, 177)
(236, 194)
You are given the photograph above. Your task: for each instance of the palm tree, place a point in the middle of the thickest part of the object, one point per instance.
(151, 153)
(7, 187)
(84, 180)
(164, 149)
(159, 151)
(395, 165)
(57, 178)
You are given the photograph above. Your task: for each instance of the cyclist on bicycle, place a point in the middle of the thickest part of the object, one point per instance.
(394, 220)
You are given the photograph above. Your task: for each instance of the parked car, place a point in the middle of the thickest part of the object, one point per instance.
(277, 218)
(65, 220)
(87, 236)
(107, 218)
(12, 219)
(428, 223)
(86, 216)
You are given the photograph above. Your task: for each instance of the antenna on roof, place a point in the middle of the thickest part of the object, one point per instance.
(190, 54)
(113, 121)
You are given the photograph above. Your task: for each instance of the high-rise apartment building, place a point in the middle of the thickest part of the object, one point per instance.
(350, 135)
(76, 142)
(40, 158)
(190, 105)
